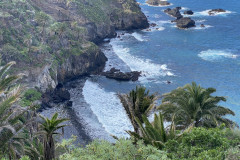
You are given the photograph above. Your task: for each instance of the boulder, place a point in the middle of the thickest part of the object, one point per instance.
(185, 22)
(214, 11)
(175, 12)
(153, 24)
(188, 12)
(158, 2)
(120, 76)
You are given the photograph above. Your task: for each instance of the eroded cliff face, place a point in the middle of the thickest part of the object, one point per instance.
(54, 41)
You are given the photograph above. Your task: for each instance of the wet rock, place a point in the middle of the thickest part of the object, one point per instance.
(120, 76)
(188, 12)
(153, 24)
(202, 25)
(214, 11)
(185, 22)
(175, 12)
(59, 95)
(158, 2)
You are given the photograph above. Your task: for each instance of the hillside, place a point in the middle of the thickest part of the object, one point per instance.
(55, 40)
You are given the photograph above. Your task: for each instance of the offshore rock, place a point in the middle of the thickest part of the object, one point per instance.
(120, 76)
(214, 11)
(175, 12)
(188, 12)
(157, 3)
(185, 22)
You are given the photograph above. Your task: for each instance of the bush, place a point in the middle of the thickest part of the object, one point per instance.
(122, 150)
(202, 143)
(30, 96)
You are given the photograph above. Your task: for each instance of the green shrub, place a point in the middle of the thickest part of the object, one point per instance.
(202, 143)
(30, 96)
(122, 150)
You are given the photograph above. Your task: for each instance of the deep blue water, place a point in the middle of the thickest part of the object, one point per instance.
(210, 56)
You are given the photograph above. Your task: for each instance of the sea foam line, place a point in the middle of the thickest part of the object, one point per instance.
(215, 55)
(108, 108)
(147, 67)
(205, 13)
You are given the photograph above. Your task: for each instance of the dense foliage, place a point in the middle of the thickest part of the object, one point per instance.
(122, 150)
(202, 143)
(193, 104)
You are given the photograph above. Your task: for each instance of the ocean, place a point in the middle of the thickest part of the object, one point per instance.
(209, 56)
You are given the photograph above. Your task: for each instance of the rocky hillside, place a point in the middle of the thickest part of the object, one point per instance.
(55, 40)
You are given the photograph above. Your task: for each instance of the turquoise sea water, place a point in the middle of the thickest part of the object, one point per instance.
(210, 57)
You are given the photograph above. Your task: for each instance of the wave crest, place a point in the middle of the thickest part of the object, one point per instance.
(214, 55)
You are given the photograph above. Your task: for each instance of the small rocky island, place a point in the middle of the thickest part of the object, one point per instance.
(188, 12)
(158, 3)
(120, 76)
(215, 11)
(181, 22)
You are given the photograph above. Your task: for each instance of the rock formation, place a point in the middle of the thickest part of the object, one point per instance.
(157, 2)
(175, 12)
(185, 22)
(188, 12)
(214, 11)
(120, 76)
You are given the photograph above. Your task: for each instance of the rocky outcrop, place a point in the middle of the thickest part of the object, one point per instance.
(214, 11)
(81, 65)
(185, 22)
(181, 22)
(157, 2)
(188, 12)
(175, 12)
(120, 76)
(59, 95)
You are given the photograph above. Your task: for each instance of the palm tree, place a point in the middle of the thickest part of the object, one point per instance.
(155, 133)
(137, 103)
(12, 118)
(49, 128)
(194, 104)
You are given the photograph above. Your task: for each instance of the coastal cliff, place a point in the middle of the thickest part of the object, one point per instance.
(54, 41)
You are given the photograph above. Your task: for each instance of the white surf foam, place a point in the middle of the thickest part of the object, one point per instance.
(157, 16)
(160, 28)
(214, 55)
(147, 67)
(138, 36)
(200, 21)
(206, 27)
(108, 109)
(205, 13)
(184, 8)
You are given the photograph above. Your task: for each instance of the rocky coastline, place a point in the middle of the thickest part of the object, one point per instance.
(54, 42)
